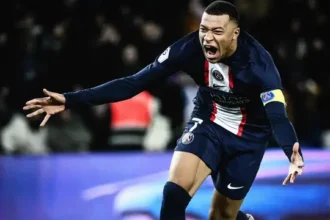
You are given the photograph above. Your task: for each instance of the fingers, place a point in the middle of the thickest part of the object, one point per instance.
(293, 177)
(38, 101)
(46, 118)
(35, 113)
(286, 179)
(41, 101)
(48, 93)
(58, 98)
(28, 107)
(290, 177)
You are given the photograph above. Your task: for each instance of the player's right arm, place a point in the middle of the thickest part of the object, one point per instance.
(126, 87)
(168, 63)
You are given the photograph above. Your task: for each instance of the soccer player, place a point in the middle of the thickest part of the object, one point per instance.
(238, 107)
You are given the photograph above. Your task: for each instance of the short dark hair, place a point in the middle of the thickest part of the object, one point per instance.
(223, 8)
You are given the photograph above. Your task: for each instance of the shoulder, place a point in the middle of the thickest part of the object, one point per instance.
(258, 55)
(262, 63)
(181, 50)
(262, 66)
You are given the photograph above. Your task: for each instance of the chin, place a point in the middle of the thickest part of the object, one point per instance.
(213, 60)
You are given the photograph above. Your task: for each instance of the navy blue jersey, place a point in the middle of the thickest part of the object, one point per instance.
(242, 93)
(229, 91)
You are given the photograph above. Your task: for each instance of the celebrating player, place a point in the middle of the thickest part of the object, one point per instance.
(238, 107)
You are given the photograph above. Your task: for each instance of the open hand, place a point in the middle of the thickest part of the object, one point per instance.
(296, 165)
(51, 105)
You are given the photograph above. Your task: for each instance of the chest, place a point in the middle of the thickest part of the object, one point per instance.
(229, 79)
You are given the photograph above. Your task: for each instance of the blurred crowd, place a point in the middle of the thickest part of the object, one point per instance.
(68, 45)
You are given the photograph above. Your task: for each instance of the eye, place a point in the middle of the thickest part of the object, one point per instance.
(203, 29)
(218, 32)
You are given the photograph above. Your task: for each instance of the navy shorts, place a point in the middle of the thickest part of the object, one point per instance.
(234, 161)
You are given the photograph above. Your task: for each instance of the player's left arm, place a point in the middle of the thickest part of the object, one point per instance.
(273, 99)
(275, 105)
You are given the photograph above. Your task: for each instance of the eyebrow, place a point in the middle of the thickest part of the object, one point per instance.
(212, 28)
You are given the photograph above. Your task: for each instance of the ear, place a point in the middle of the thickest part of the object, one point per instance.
(236, 33)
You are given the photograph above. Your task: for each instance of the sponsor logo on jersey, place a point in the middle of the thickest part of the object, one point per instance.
(218, 86)
(229, 100)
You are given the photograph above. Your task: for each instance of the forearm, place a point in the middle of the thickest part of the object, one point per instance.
(283, 129)
(115, 90)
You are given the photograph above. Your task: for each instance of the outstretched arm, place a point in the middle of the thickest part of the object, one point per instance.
(118, 89)
(169, 62)
(113, 91)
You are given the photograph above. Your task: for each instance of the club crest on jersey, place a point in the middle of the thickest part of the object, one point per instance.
(217, 75)
(267, 96)
(187, 138)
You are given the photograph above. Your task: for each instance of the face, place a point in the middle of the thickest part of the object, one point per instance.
(218, 36)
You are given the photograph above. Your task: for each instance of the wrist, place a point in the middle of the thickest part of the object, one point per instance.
(287, 149)
(67, 102)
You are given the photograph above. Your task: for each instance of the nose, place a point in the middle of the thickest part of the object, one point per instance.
(208, 36)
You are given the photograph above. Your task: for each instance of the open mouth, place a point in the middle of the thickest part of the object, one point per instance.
(210, 51)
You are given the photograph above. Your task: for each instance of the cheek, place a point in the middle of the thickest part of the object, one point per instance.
(223, 42)
(201, 40)
(201, 36)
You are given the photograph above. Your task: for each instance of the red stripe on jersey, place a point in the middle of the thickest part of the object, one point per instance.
(243, 122)
(244, 115)
(231, 81)
(214, 112)
(206, 72)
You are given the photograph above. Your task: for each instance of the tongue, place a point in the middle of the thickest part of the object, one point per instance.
(210, 53)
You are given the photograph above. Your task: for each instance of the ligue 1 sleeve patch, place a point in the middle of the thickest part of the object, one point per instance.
(272, 96)
(267, 96)
(164, 56)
